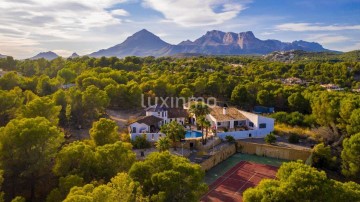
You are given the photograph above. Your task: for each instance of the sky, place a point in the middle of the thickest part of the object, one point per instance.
(28, 27)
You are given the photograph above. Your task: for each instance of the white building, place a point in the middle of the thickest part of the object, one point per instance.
(224, 120)
(239, 124)
(156, 116)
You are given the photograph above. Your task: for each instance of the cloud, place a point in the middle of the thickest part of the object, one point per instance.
(120, 12)
(300, 27)
(190, 13)
(355, 46)
(43, 21)
(327, 38)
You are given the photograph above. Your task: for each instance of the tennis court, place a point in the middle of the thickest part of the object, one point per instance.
(230, 186)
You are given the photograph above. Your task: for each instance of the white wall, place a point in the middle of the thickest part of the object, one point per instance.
(245, 134)
(139, 127)
(151, 137)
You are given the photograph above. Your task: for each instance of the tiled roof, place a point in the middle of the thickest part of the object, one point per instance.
(177, 113)
(149, 120)
(156, 108)
(231, 114)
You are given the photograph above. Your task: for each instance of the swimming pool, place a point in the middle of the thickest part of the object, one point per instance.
(192, 134)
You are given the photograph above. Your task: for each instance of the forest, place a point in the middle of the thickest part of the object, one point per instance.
(42, 100)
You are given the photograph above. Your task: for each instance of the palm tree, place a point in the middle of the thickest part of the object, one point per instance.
(163, 144)
(207, 125)
(200, 110)
(174, 131)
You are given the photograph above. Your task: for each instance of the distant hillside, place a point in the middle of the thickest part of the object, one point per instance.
(287, 56)
(46, 55)
(145, 43)
(74, 55)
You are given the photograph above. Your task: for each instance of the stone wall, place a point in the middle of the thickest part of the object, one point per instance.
(218, 157)
(274, 151)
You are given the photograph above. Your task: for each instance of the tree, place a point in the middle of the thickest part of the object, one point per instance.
(10, 101)
(113, 158)
(104, 131)
(167, 177)
(42, 107)
(322, 157)
(120, 188)
(299, 182)
(200, 110)
(67, 75)
(174, 131)
(141, 142)
(265, 98)
(65, 184)
(297, 102)
(101, 162)
(76, 158)
(354, 122)
(27, 147)
(240, 96)
(270, 138)
(350, 156)
(163, 144)
(94, 101)
(186, 93)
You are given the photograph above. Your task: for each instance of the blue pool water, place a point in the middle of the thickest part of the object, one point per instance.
(192, 134)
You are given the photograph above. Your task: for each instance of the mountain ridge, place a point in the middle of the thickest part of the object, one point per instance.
(214, 42)
(46, 55)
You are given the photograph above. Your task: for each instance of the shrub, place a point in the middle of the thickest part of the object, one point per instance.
(270, 138)
(140, 142)
(230, 139)
(293, 139)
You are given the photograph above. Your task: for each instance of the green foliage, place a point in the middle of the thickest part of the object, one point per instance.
(174, 131)
(65, 184)
(166, 177)
(94, 101)
(10, 102)
(120, 188)
(88, 162)
(104, 131)
(322, 157)
(230, 139)
(141, 142)
(270, 138)
(299, 182)
(354, 122)
(297, 102)
(350, 156)
(27, 147)
(18, 199)
(294, 119)
(163, 144)
(42, 107)
(67, 75)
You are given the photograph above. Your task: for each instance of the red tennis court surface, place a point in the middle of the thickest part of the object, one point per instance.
(235, 181)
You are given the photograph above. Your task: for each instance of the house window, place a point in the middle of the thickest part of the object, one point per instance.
(262, 125)
(249, 134)
(134, 130)
(236, 123)
(160, 135)
(158, 113)
(218, 123)
(251, 124)
(170, 120)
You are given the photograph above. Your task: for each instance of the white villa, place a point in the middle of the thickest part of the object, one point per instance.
(224, 121)
(156, 116)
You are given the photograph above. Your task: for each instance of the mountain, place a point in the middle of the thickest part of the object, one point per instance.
(142, 43)
(3, 56)
(74, 55)
(46, 55)
(145, 43)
